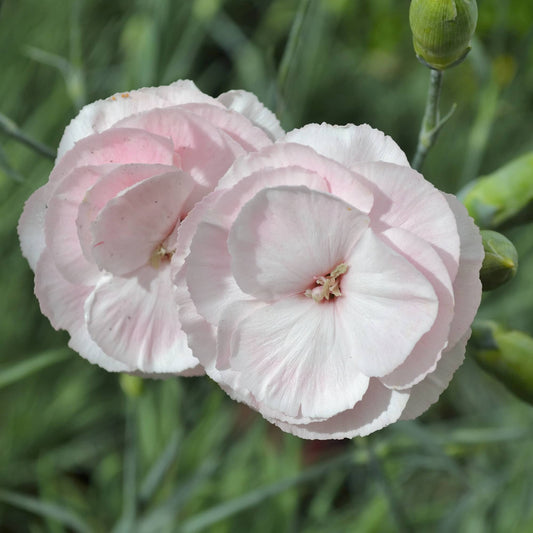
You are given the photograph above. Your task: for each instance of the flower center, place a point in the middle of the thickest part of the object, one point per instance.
(328, 286)
(160, 254)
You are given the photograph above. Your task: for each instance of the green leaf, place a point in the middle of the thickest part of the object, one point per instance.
(10, 374)
(45, 509)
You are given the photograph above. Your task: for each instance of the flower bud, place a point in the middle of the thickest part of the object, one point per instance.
(442, 30)
(507, 355)
(132, 386)
(503, 198)
(500, 262)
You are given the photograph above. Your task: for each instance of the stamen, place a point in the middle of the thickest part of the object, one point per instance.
(328, 286)
(160, 254)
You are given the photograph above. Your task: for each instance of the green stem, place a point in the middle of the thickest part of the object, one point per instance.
(431, 123)
(11, 129)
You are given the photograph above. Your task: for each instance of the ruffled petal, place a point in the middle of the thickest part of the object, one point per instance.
(62, 302)
(237, 126)
(286, 237)
(102, 114)
(205, 151)
(131, 227)
(104, 190)
(135, 320)
(338, 180)
(466, 286)
(117, 146)
(423, 359)
(31, 226)
(387, 305)
(430, 388)
(60, 225)
(404, 199)
(291, 357)
(349, 144)
(378, 408)
(248, 104)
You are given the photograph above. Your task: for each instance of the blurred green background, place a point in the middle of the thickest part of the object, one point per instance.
(78, 454)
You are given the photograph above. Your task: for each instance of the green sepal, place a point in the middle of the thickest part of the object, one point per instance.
(505, 354)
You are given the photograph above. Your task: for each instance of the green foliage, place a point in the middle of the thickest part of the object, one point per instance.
(78, 454)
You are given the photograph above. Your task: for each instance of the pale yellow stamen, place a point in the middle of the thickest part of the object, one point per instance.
(328, 286)
(161, 253)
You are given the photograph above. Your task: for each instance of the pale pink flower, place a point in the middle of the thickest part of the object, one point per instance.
(101, 233)
(326, 284)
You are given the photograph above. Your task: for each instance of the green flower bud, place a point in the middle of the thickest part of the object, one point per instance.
(507, 355)
(500, 262)
(132, 386)
(442, 30)
(503, 198)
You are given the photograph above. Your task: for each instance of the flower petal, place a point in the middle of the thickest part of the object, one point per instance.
(466, 286)
(430, 388)
(62, 302)
(132, 225)
(423, 359)
(291, 357)
(338, 180)
(60, 225)
(404, 199)
(116, 146)
(102, 114)
(31, 226)
(386, 306)
(236, 125)
(104, 190)
(378, 408)
(135, 320)
(205, 151)
(286, 237)
(249, 105)
(349, 144)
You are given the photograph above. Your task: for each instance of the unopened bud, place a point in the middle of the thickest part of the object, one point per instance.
(507, 355)
(442, 30)
(500, 262)
(504, 198)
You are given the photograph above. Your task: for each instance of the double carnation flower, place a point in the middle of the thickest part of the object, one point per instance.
(314, 275)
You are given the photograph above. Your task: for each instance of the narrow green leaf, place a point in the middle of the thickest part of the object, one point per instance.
(10, 374)
(45, 509)
(226, 509)
(156, 474)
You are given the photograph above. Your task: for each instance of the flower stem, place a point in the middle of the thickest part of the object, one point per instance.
(12, 130)
(431, 123)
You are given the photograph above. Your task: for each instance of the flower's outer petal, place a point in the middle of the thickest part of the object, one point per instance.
(60, 225)
(135, 320)
(387, 305)
(286, 237)
(102, 114)
(404, 199)
(209, 278)
(205, 151)
(104, 190)
(378, 408)
(31, 226)
(423, 359)
(116, 146)
(466, 286)
(249, 105)
(132, 225)
(427, 392)
(349, 144)
(292, 358)
(338, 179)
(238, 127)
(62, 302)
